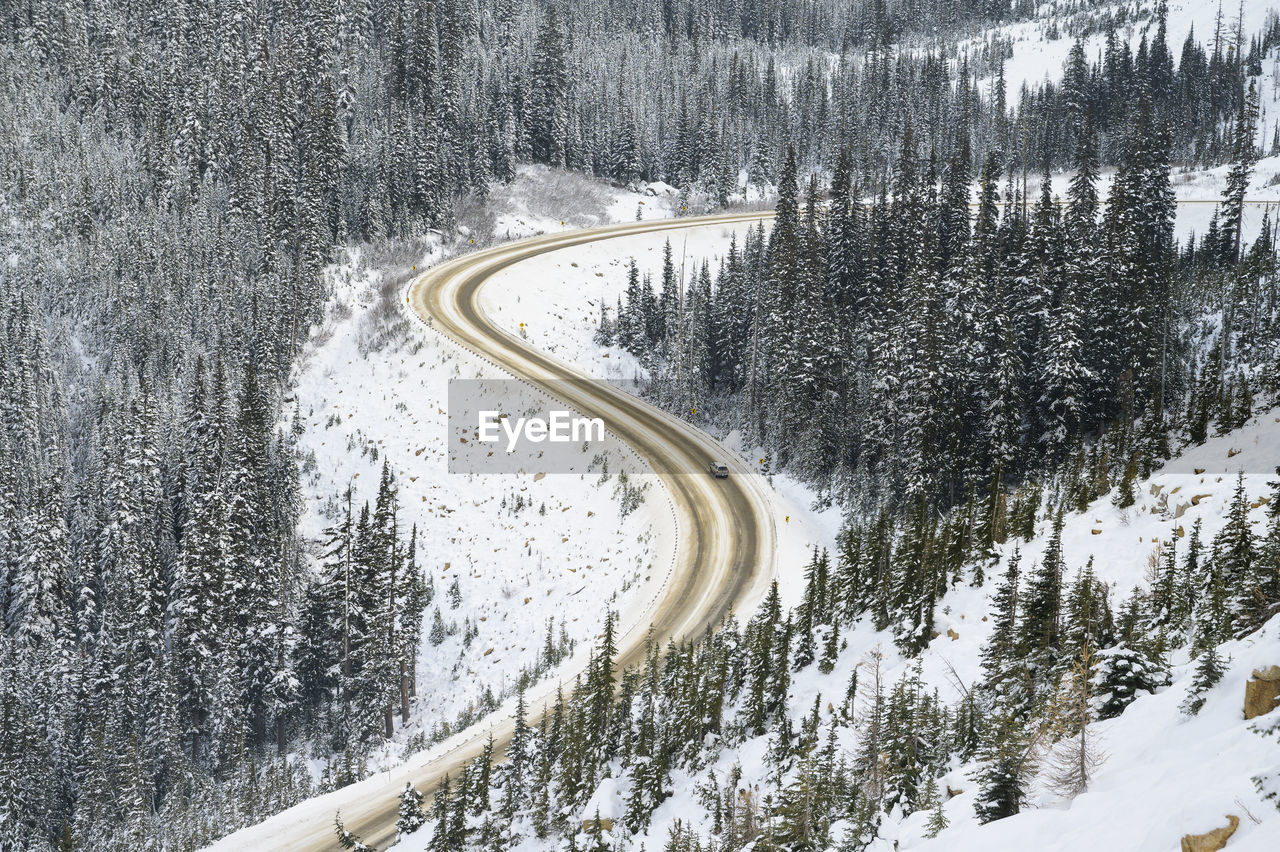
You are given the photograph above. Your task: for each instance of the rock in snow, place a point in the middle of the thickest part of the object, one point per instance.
(1262, 692)
(606, 804)
(1214, 840)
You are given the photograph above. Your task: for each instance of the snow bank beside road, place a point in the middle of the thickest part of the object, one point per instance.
(542, 200)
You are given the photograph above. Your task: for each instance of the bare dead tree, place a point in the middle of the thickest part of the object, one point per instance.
(1075, 757)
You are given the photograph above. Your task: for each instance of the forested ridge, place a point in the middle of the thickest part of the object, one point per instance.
(176, 177)
(908, 338)
(1061, 656)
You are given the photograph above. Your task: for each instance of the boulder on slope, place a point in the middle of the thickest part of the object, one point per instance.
(1212, 841)
(1262, 692)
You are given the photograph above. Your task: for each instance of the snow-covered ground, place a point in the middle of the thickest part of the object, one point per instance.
(542, 200)
(1166, 775)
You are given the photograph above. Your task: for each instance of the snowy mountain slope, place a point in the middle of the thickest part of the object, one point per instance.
(1166, 774)
(543, 200)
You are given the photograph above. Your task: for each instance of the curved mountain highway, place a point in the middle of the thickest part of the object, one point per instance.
(724, 554)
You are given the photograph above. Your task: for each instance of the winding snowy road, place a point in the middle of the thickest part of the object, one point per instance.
(724, 552)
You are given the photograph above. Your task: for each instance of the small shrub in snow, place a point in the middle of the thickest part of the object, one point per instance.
(1209, 671)
(629, 496)
(1075, 757)
(937, 821)
(1122, 675)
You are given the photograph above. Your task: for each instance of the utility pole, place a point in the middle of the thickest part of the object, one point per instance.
(680, 341)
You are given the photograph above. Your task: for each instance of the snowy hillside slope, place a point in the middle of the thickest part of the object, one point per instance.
(1166, 775)
(544, 200)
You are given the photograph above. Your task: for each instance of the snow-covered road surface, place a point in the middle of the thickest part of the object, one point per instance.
(724, 556)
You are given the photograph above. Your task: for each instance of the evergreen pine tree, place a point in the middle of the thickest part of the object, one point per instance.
(1209, 670)
(411, 817)
(1007, 764)
(1122, 675)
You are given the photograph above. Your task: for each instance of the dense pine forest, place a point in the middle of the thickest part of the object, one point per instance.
(906, 338)
(175, 177)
